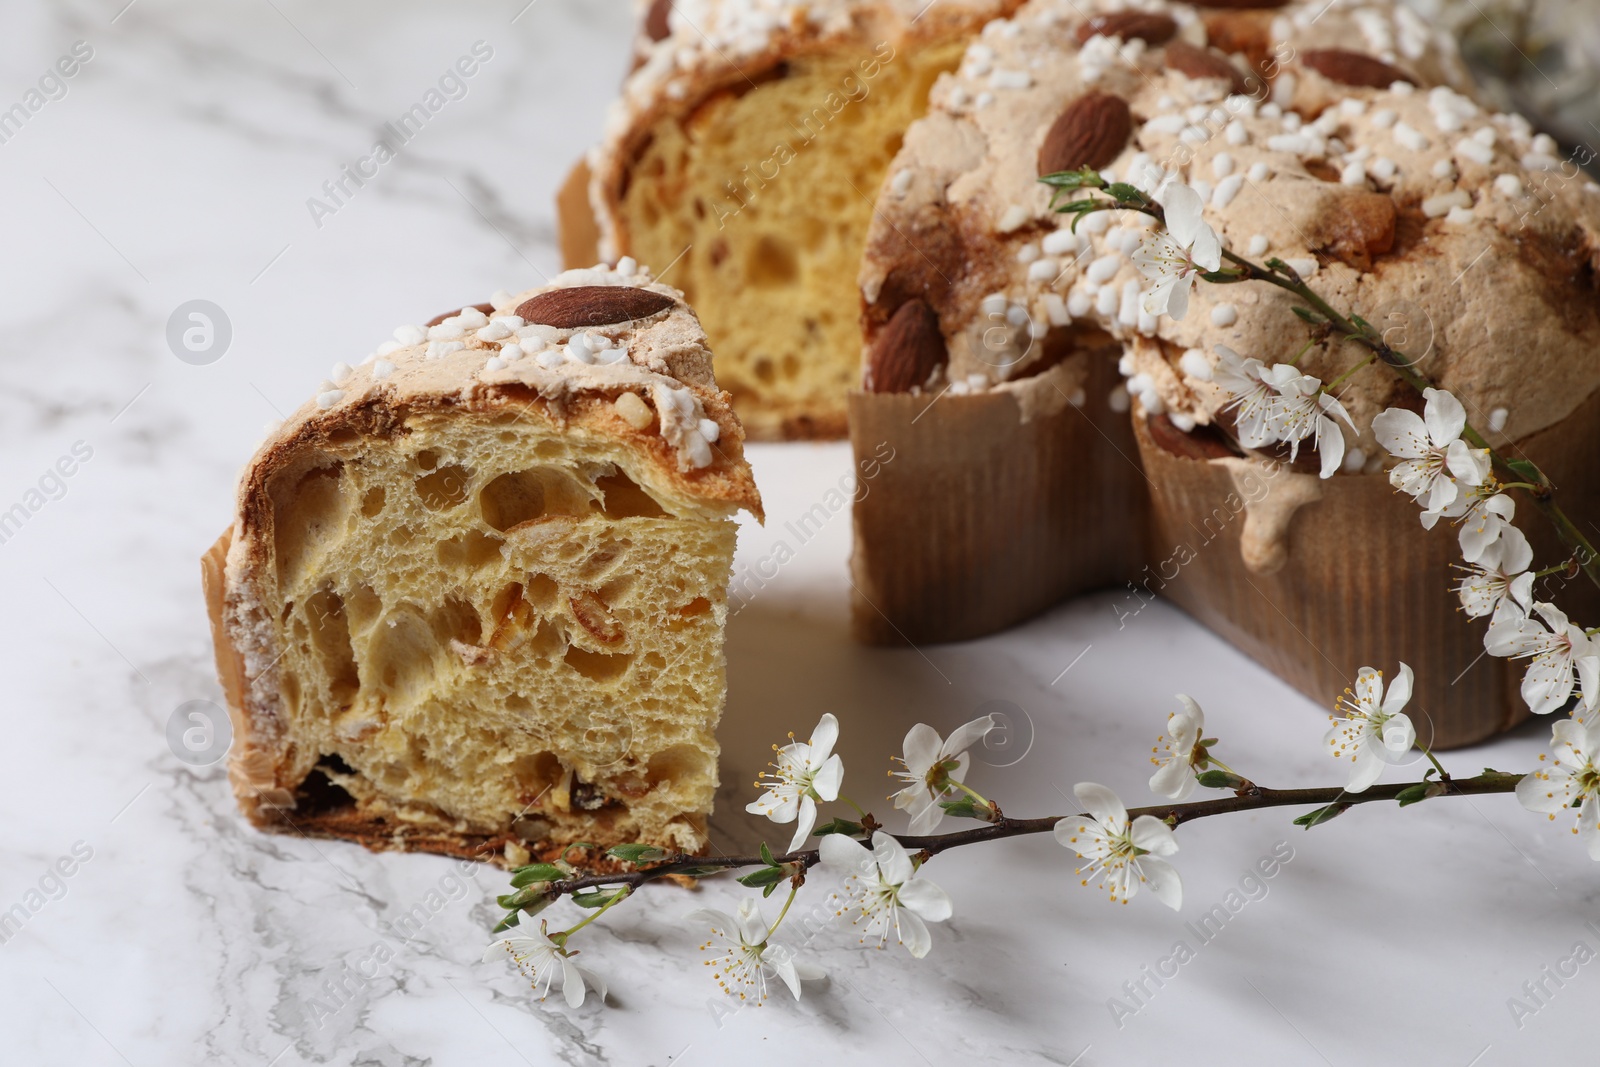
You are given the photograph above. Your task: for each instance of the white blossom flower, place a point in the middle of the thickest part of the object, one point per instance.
(804, 774)
(1431, 451)
(1374, 731)
(1278, 403)
(1499, 576)
(1572, 780)
(1485, 514)
(1174, 256)
(1564, 657)
(545, 964)
(742, 960)
(1176, 772)
(1125, 855)
(882, 887)
(1304, 410)
(931, 765)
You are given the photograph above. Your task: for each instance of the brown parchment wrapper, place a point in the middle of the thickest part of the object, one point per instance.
(576, 230)
(1350, 578)
(983, 518)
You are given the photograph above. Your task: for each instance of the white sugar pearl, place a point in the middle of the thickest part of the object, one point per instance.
(1224, 315)
(709, 429)
(1410, 138)
(1103, 269)
(1259, 244)
(341, 373)
(1384, 118)
(381, 369)
(329, 397)
(387, 347)
(1353, 174)
(1226, 190)
(900, 184)
(1043, 270)
(409, 335)
(1258, 172)
(627, 265)
(511, 351)
(1445, 170)
(448, 330)
(471, 318)
(551, 358)
(495, 363)
(1508, 185)
(1118, 401)
(1305, 267)
(1061, 242)
(493, 332)
(1497, 419)
(1195, 364)
(1015, 217)
(1222, 165)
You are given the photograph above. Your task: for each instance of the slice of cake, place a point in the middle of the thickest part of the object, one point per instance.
(474, 597)
(743, 158)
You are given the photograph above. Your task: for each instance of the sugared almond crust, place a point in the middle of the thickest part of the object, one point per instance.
(1354, 183)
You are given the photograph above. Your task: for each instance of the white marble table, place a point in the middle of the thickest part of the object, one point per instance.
(177, 167)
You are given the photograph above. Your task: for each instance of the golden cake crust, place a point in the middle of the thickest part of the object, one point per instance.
(661, 361)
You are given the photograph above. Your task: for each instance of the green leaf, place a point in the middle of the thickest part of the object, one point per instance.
(1527, 470)
(766, 855)
(1221, 277)
(537, 872)
(1087, 178)
(967, 808)
(596, 898)
(701, 872)
(839, 826)
(1126, 193)
(1308, 315)
(1321, 815)
(1220, 780)
(767, 892)
(763, 876)
(636, 853)
(513, 901)
(1412, 794)
(512, 918)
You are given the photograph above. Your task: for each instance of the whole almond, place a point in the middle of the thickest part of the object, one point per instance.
(592, 305)
(1091, 132)
(1359, 227)
(655, 20)
(487, 309)
(1353, 68)
(1193, 62)
(907, 351)
(1150, 28)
